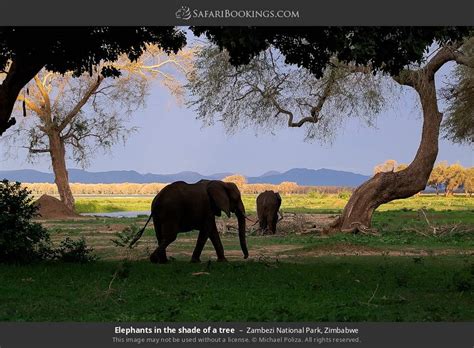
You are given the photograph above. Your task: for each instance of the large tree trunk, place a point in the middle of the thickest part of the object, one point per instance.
(20, 72)
(61, 177)
(388, 186)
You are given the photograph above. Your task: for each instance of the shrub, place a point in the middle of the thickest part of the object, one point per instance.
(344, 194)
(463, 280)
(124, 237)
(74, 251)
(316, 194)
(21, 240)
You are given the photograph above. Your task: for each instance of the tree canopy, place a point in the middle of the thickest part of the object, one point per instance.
(459, 124)
(267, 92)
(411, 56)
(388, 49)
(24, 51)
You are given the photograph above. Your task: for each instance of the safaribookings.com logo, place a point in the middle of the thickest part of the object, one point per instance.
(185, 12)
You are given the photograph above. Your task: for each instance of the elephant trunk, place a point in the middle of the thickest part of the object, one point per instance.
(242, 229)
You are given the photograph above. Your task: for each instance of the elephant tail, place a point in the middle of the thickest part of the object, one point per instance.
(139, 233)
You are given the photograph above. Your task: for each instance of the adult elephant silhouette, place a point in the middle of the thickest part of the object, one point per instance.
(268, 207)
(182, 207)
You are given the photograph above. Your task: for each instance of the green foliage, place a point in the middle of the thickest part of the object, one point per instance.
(268, 93)
(77, 251)
(344, 194)
(463, 280)
(58, 49)
(459, 123)
(389, 49)
(124, 237)
(295, 203)
(316, 194)
(21, 240)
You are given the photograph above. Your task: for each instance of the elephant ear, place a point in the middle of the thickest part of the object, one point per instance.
(219, 198)
(278, 198)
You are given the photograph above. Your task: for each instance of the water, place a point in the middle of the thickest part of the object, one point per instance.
(120, 214)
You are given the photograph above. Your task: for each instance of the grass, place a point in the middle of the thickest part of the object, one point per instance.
(291, 203)
(289, 277)
(323, 289)
(396, 233)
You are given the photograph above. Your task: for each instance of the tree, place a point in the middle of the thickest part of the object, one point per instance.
(399, 53)
(288, 187)
(459, 124)
(83, 114)
(266, 93)
(21, 240)
(438, 176)
(389, 166)
(454, 178)
(24, 51)
(469, 181)
(237, 179)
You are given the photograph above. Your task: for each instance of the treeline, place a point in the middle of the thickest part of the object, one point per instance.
(444, 177)
(153, 188)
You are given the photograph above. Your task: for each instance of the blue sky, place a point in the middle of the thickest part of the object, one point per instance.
(170, 139)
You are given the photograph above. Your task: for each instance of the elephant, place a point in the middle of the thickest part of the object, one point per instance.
(268, 206)
(182, 207)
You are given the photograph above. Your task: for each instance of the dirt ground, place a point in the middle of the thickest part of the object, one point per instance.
(52, 208)
(99, 233)
(291, 223)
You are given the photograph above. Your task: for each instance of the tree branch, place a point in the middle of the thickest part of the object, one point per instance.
(463, 59)
(21, 70)
(31, 105)
(406, 77)
(81, 103)
(315, 110)
(32, 150)
(444, 55)
(44, 95)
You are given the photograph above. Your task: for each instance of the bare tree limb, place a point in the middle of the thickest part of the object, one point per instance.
(32, 150)
(93, 87)
(44, 95)
(31, 105)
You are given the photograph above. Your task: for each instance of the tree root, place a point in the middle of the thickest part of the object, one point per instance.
(358, 227)
(355, 227)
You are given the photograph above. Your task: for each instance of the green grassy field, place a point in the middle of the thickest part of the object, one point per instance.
(323, 289)
(309, 203)
(406, 273)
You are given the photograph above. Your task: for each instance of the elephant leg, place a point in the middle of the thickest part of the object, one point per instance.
(216, 242)
(201, 241)
(157, 226)
(272, 221)
(263, 223)
(273, 224)
(270, 225)
(168, 236)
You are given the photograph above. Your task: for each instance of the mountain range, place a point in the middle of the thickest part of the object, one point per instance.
(302, 176)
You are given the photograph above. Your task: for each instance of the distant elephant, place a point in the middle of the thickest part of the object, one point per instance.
(182, 207)
(268, 206)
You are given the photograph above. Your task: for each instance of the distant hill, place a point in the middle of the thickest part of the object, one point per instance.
(302, 176)
(109, 177)
(269, 173)
(312, 177)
